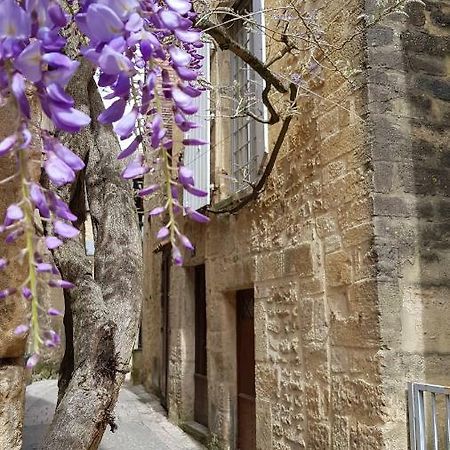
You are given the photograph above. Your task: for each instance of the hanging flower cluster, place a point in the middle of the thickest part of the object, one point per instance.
(146, 52)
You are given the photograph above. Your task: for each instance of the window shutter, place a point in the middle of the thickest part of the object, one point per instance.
(258, 43)
(259, 37)
(197, 158)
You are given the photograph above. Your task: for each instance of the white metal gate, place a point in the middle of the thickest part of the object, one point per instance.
(429, 426)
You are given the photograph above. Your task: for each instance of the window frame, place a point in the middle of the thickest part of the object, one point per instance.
(248, 155)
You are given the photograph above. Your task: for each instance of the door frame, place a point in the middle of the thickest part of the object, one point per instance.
(165, 324)
(247, 295)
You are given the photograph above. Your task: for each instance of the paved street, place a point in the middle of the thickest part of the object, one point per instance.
(139, 416)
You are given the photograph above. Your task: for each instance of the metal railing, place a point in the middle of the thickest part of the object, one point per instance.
(429, 426)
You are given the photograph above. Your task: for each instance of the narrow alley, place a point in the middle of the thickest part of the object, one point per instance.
(141, 421)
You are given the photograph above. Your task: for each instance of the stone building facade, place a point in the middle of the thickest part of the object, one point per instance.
(345, 256)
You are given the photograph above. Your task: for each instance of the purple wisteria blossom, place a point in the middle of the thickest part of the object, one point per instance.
(65, 230)
(21, 329)
(32, 360)
(54, 312)
(146, 53)
(13, 214)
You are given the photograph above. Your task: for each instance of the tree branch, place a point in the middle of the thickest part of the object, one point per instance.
(274, 116)
(259, 186)
(225, 42)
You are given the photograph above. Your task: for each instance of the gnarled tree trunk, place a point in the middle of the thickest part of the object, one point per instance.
(103, 310)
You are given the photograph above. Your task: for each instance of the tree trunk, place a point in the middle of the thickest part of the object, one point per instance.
(104, 308)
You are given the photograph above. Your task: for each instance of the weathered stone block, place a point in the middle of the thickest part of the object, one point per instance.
(364, 330)
(363, 296)
(338, 268)
(341, 143)
(416, 13)
(311, 286)
(423, 62)
(338, 303)
(306, 318)
(425, 208)
(320, 320)
(355, 361)
(388, 58)
(364, 437)
(316, 368)
(387, 205)
(422, 42)
(383, 176)
(326, 225)
(355, 214)
(269, 266)
(439, 15)
(340, 433)
(361, 234)
(346, 189)
(334, 170)
(263, 425)
(380, 36)
(266, 380)
(319, 435)
(364, 262)
(12, 399)
(391, 142)
(299, 260)
(354, 397)
(437, 87)
(332, 244)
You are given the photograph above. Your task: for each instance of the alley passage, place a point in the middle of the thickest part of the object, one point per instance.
(139, 416)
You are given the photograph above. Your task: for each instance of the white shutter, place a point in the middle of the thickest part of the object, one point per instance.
(258, 42)
(197, 158)
(259, 36)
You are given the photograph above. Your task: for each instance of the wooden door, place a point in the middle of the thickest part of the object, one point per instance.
(200, 375)
(245, 339)
(165, 325)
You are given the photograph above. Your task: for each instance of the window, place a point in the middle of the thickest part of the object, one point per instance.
(197, 157)
(248, 136)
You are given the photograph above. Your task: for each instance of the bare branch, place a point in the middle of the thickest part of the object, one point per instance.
(259, 186)
(225, 42)
(274, 116)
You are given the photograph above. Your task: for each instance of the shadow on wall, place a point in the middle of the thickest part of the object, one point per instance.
(426, 45)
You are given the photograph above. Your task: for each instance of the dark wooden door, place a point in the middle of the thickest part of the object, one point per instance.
(165, 326)
(245, 339)
(200, 375)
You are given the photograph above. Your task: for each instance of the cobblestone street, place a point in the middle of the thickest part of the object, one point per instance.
(141, 421)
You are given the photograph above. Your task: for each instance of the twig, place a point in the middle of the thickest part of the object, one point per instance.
(260, 185)
(225, 42)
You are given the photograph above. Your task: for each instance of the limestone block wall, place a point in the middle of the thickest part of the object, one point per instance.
(346, 251)
(306, 249)
(12, 311)
(409, 93)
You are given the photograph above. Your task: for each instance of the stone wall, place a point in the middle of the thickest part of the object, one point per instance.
(346, 251)
(409, 93)
(12, 311)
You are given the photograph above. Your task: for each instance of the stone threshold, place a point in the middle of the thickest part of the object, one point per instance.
(198, 431)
